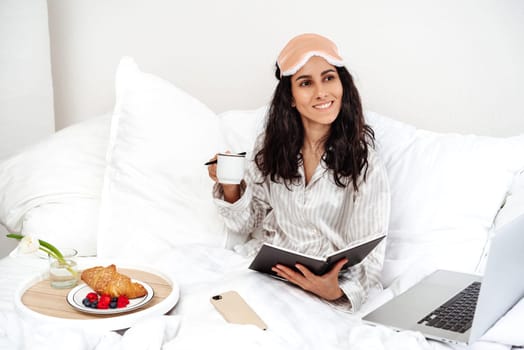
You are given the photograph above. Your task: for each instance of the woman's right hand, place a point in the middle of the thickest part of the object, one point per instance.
(231, 192)
(212, 168)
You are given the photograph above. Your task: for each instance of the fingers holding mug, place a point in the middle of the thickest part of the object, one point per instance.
(212, 168)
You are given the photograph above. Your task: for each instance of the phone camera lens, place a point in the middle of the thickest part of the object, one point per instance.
(217, 297)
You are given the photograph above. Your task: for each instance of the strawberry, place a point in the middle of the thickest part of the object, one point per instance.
(92, 297)
(122, 301)
(105, 299)
(102, 305)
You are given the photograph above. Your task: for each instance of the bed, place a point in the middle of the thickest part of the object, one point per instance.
(130, 187)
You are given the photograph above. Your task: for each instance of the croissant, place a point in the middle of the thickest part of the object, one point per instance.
(106, 280)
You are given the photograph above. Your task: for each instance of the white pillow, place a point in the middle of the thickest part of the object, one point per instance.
(66, 224)
(446, 191)
(41, 187)
(512, 208)
(514, 203)
(240, 128)
(157, 192)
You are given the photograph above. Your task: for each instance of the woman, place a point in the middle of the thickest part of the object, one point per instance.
(315, 184)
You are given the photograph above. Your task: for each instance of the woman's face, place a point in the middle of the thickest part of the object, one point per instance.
(317, 92)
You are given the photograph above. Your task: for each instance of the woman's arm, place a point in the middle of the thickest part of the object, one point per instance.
(370, 217)
(243, 207)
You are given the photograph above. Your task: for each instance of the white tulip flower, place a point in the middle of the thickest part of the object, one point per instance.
(29, 244)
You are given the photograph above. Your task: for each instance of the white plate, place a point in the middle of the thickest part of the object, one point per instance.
(77, 294)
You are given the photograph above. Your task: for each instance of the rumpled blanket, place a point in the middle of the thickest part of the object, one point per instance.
(295, 319)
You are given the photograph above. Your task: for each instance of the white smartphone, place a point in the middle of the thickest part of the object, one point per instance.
(234, 309)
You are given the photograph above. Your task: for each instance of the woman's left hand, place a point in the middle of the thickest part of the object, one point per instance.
(325, 286)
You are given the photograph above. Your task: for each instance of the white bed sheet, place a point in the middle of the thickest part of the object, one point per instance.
(295, 319)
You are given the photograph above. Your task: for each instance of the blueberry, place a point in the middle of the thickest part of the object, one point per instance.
(115, 299)
(94, 304)
(86, 302)
(113, 304)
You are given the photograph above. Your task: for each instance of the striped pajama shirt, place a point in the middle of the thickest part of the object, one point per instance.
(315, 219)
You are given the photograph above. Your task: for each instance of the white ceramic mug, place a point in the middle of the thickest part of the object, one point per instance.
(230, 168)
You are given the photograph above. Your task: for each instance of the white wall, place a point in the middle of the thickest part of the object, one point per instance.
(445, 65)
(26, 91)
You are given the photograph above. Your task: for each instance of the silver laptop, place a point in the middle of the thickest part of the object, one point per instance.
(434, 305)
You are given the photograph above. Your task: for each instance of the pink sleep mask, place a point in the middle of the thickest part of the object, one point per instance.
(302, 47)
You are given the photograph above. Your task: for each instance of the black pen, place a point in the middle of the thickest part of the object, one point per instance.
(214, 161)
(211, 162)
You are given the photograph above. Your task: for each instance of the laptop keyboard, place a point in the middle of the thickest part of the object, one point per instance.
(456, 314)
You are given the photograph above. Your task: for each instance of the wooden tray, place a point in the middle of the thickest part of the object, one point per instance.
(48, 301)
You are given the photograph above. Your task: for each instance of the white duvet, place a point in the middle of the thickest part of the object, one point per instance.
(295, 319)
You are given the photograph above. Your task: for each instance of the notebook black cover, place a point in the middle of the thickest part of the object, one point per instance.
(270, 255)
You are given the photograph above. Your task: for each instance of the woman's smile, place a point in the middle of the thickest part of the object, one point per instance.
(324, 105)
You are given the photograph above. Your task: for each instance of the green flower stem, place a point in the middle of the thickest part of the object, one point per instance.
(50, 249)
(14, 235)
(50, 253)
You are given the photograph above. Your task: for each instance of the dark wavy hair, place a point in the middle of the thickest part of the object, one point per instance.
(346, 145)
